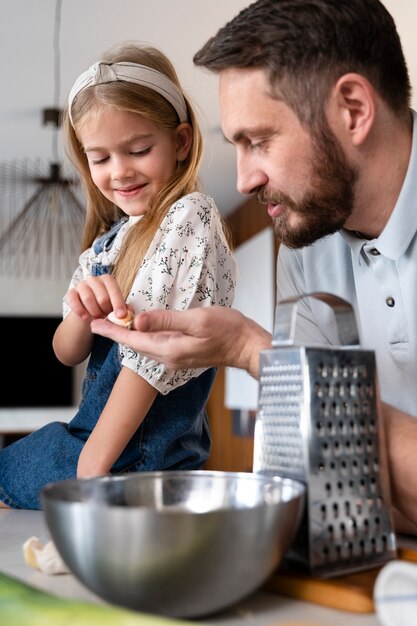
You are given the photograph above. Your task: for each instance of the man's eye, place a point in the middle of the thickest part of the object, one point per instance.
(256, 145)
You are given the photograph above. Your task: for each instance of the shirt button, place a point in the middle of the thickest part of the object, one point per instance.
(374, 252)
(390, 301)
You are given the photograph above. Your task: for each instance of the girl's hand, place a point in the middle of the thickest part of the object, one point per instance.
(95, 297)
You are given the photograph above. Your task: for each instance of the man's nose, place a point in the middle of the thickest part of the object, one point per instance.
(250, 176)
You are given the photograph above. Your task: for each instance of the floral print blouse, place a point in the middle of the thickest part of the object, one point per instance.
(188, 264)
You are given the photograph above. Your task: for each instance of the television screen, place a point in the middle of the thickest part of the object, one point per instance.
(32, 375)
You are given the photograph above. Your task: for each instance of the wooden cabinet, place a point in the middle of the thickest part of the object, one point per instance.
(230, 452)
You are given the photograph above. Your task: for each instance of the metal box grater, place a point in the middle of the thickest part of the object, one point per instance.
(317, 422)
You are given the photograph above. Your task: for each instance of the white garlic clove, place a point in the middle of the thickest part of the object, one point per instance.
(122, 321)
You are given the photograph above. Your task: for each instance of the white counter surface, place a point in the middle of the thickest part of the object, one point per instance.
(260, 609)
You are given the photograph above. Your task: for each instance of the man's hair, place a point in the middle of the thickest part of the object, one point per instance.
(306, 45)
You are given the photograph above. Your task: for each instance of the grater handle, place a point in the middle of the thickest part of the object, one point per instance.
(286, 319)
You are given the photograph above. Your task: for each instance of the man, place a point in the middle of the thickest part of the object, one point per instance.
(315, 97)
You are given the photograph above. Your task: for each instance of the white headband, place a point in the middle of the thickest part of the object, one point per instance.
(103, 72)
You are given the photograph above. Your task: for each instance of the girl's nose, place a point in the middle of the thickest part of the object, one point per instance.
(121, 168)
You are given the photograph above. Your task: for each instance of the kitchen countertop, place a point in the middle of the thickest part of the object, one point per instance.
(260, 609)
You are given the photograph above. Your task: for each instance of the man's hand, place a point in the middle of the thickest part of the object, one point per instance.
(203, 337)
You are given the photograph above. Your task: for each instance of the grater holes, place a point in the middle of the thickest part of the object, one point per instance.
(363, 428)
(342, 427)
(317, 390)
(369, 445)
(324, 410)
(336, 447)
(353, 427)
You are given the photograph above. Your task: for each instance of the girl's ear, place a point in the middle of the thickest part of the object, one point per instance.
(184, 140)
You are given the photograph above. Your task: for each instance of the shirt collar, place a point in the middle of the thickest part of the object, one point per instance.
(402, 224)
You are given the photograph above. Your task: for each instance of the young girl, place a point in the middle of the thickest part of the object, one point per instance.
(151, 241)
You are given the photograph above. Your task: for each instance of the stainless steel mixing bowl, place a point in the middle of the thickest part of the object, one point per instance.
(177, 543)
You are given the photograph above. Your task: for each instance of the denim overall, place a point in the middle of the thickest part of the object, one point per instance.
(174, 434)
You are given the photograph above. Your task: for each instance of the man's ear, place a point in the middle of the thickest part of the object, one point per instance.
(352, 107)
(184, 139)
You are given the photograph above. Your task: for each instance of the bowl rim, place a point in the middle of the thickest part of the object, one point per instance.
(53, 491)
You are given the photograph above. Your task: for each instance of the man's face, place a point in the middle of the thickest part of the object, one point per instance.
(303, 178)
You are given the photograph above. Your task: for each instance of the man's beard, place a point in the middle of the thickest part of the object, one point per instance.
(328, 203)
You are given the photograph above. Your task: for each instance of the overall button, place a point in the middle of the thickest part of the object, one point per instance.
(390, 301)
(374, 252)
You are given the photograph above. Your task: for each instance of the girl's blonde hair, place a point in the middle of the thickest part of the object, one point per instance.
(126, 96)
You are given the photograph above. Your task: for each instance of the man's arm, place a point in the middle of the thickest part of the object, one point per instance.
(203, 337)
(401, 445)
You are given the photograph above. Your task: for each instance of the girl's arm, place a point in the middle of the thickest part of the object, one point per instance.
(73, 340)
(128, 404)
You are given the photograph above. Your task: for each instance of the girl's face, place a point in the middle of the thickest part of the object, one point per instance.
(130, 157)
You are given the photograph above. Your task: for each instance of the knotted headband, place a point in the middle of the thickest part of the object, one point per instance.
(103, 72)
